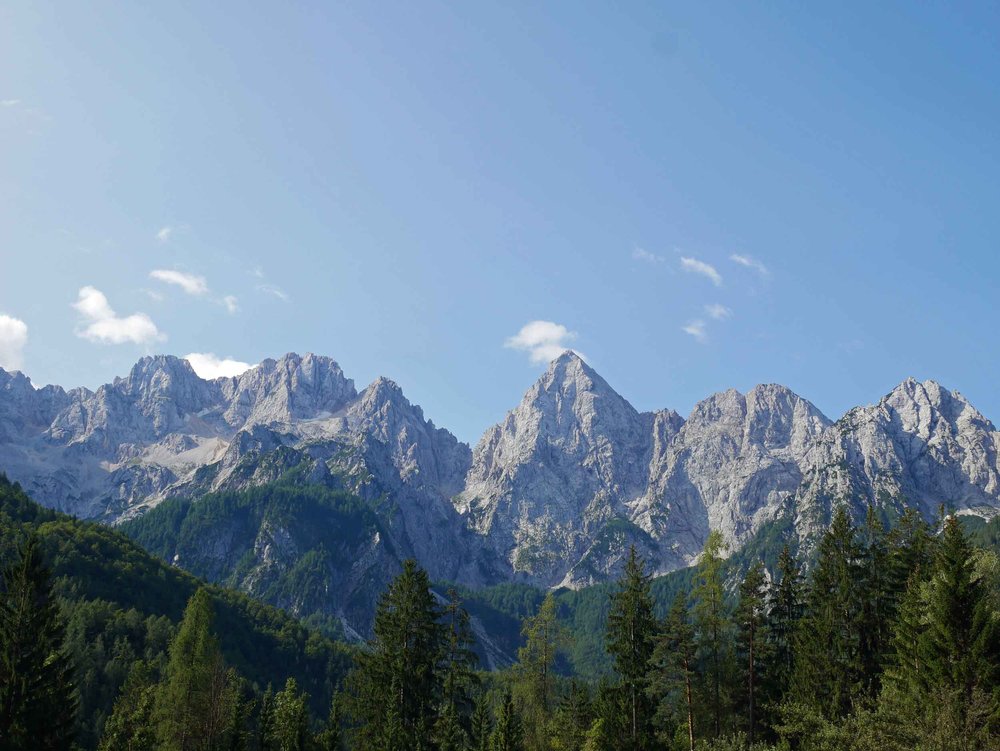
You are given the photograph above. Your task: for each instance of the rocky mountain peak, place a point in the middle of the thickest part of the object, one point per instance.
(157, 379)
(918, 405)
(291, 388)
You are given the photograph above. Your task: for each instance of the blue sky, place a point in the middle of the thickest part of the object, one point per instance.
(695, 197)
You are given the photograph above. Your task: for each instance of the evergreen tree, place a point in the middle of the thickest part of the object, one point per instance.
(448, 731)
(507, 733)
(912, 548)
(711, 626)
(751, 624)
(877, 594)
(482, 725)
(630, 638)
(828, 670)
(961, 644)
(37, 701)
(396, 687)
(598, 738)
(130, 726)
(534, 683)
(457, 668)
(672, 673)
(291, 719)
(194, 704)
(573, 717)
(331, 739)
(783, 616)
(265, 720)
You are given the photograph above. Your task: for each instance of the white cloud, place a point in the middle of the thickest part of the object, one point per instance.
(542, 340)
(101, 323)
(257, 272)
(751, 263)
(190, 283)
(695, 266)
(164, 233)
(718, 312)
(697, 330)
(232, 304)
(270, 289)
(644, 255)
(207, 365)
(10, 102)
(13, 337)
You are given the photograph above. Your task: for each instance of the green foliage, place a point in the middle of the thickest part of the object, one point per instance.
(751, 644)
(120, 605)
(535, 680)
(631, 635)
(507, 733)
(290, 730)
(828, 666)
(194, 705)
(37, 703)
(712, 626)
(397, 686)
(130, 726)
(673, 674)
(328, 527)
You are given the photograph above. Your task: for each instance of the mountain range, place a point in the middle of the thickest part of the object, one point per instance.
(553, 495)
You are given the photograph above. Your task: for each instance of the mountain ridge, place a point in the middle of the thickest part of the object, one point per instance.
(552, 495)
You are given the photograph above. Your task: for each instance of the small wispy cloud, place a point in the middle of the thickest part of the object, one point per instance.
(718, 311)
(542, 340)
(257, 271)
(694, 266)
(9, 102)
(13, 339)
(640, 254)
(164, 234)
(274, 291)
(190, 283)
(232, 303)
(751, 263)
(208, 365)
(696, 329)
(101, 324)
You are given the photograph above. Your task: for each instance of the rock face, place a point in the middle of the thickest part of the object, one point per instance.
(574, 475)
(162, 431)
(552, 495)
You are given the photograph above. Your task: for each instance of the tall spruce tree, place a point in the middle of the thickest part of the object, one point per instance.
(630, 639)
(711, 622)
(130, 726)
(194, 704)
(961, 645)
(942, 686)
(458, 672)
(828, 669)
(573, 717)
(332, 736)
(482, 725)
(751, 642)
(878, 595)
(673, 674)
(507, 732)
(785, 610)
(37, 702)
(396, 686)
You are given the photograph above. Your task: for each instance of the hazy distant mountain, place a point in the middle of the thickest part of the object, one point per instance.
(553, 494)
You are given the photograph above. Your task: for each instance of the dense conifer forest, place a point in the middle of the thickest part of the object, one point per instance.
(884, 638)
